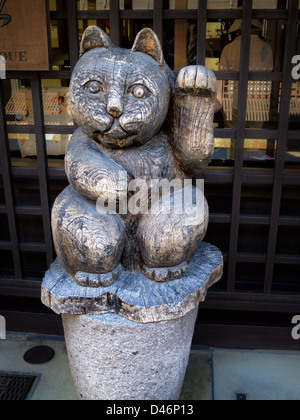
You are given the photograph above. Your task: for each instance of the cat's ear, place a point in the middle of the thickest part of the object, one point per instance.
(148, 43)
(94, 37)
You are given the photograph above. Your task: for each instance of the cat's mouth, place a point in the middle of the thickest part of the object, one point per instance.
(115, 136)
(115, 139)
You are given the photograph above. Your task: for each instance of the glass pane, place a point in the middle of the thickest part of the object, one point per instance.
(262, 105)
(2, 196)
(222, 4)
(253, 239)
(224, 151)
(259, 152)
(6, 264)
(130, 28)
(19, 112)
(136, 4)
(59, 45)
(4, 234)
(18, 102)
(286, 279)
(183, 4)
(290, 201)
(27, 191)
(250, 277)
(265, 4)
(224, 45)
(30, 228)
(23, 149)
(56, 102)
(59, 41)
(219, 234)
(211, 4)
(34, 264)
(263, 44)
(292, 156)
(228, 91)
(288, 242)
(256, 199)
(93, 5)
(52, 5)
(104, 24)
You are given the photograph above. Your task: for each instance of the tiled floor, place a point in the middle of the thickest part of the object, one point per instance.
(212, 374)
(254, 375)
(54, 379)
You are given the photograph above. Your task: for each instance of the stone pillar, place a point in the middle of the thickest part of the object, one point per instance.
(112, 358)
(131, 340)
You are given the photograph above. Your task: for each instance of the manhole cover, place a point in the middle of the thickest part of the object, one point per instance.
(39, 355)
(15, 387)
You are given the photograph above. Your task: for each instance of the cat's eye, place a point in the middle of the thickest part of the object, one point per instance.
(94, 87)
(139, 91)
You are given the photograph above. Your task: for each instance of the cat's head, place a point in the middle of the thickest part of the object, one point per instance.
(120, 97)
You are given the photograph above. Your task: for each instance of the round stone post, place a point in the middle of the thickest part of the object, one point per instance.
(131, 340)
(112, 358)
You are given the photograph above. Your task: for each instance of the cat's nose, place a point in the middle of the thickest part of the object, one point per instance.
(115, 111)
(114, 106)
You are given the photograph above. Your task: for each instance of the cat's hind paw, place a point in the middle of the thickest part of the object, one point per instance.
(163, 275)
(98, 280)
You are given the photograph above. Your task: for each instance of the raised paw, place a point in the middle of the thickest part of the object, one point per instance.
(199, 80)
(98, 280)
(194, 109)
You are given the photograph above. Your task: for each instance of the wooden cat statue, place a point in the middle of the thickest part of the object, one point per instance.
(136, 122)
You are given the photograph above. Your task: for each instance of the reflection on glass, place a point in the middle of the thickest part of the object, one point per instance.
(259, 150)
(93, 5)
(227, 102)
(19, 112)
(265, 4)
(211, 4)
(22, 149)
(292, 156)
(222, 4)
(136, 4)
(104, 24)
(295, 107)
(59, 42)
(256, 151)
(183, 4)
(261, 53)
(56, 102)
(262, 108)
(222, 151)
(52, 5)
(293, 152)
(18, 99)
(262, 112)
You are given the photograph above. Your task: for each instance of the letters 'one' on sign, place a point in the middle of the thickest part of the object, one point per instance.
(24, 34)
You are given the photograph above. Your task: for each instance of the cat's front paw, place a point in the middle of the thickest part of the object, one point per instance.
(199, 80)
(194, 108)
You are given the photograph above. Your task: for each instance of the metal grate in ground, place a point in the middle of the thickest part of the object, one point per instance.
(15, 387)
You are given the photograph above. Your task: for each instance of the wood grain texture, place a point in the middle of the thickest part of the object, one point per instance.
(193, 138)
(86, 241)
(134, 296)
(136, 123)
